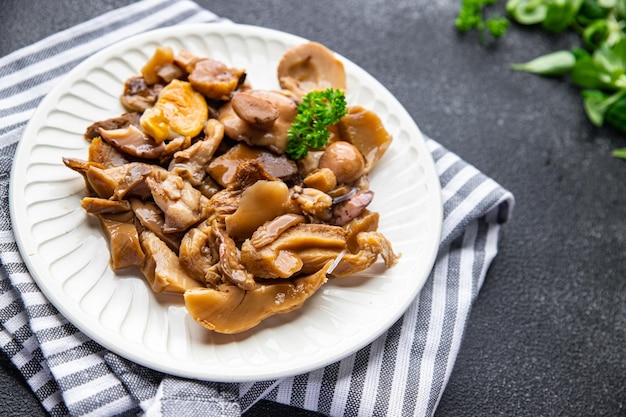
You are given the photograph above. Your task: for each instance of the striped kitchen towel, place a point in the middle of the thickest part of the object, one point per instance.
(403, 372)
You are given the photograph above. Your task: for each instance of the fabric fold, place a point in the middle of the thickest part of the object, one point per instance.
(403, 372)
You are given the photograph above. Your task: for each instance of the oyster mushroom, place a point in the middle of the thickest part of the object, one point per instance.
(120, 122)
(102, 153)
(262, 201)
(133, 141)
(229, 309)
(224, 167)
(138, 95)
(352, 207)
(308, 67)
(371, 245)
(124, 247)
(272, 136)
(162, 268)
(282, 257)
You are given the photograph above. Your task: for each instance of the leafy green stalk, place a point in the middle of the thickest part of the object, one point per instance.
(317, 111)
(471, 16)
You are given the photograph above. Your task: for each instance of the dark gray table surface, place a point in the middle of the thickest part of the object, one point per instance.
(547, 334)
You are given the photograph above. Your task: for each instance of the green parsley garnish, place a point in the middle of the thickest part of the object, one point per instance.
(317, 111)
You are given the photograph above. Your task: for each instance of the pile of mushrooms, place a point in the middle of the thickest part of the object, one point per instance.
(192, 186)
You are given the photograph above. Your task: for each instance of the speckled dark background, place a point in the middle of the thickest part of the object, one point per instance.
(547, 335)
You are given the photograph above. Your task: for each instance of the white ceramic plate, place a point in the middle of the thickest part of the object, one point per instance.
(67, 254)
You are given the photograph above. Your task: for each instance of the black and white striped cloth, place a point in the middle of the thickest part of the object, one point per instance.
(404, 372)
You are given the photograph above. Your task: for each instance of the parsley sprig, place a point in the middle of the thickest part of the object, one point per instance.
(316, 112)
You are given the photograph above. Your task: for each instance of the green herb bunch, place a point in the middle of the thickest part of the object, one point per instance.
(317, 111)
(472, 17)
(597, 66)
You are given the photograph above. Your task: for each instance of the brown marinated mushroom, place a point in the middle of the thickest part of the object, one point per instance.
(274, 136)
(224, 167)
(281, 258)
(255, 110)
(351, 207)
(344, 160)
(151, 218)
(232, 270)
(229, 309)
(308, 67)
(182, 204)
(196, 254)
(371, 245)
(259, 203)
(133, 141)
(138, 95)
(123, 238)
(102, 153)
(214, 79)
(191, 163)
(162, 56)
(120, 122)
(162, 268)
(364, 129)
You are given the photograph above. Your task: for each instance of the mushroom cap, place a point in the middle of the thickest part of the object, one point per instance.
(310, 66)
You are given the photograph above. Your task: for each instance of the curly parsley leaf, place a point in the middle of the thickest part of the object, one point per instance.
(317, 111)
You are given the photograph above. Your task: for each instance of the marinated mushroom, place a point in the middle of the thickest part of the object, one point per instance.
(364, 129)
(308, 67)
(229, 309)
(133, 142)
(162, 268)
(214, 79)
(179, 111)
(344, 160)
(193, 186)
(272, 136)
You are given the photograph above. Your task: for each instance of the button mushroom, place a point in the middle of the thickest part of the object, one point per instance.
(310, 66)
(344, 160)
(270, 135)
(214, 79)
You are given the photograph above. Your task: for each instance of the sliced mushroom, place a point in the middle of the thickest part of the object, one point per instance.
(352, 207)
(120, 122)
(261, 202)
(281, 258)
(133, 141)
(102, 153)
(371, 245)
(364, 129)
(96, 205)
(255, 110)
(163, 56)
(274, 136)
(191, 162)
(229, 309)
(182, 204)
(313, 202)
(322, 179)
(224, 167)
(214, 79)
(308, 67)
(232, 270)
(162, 268)
(138, 95)
(196, 254)
(151, 217)
(125, 249)
(270, 231)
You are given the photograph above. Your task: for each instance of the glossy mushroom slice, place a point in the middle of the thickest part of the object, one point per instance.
(229, 309)
(123, 238)
(162, 268)
(214, 79)
(138, 95)
(281, 258)
(271, 135)
(308, 67)
(371, 245)
(364, 129)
